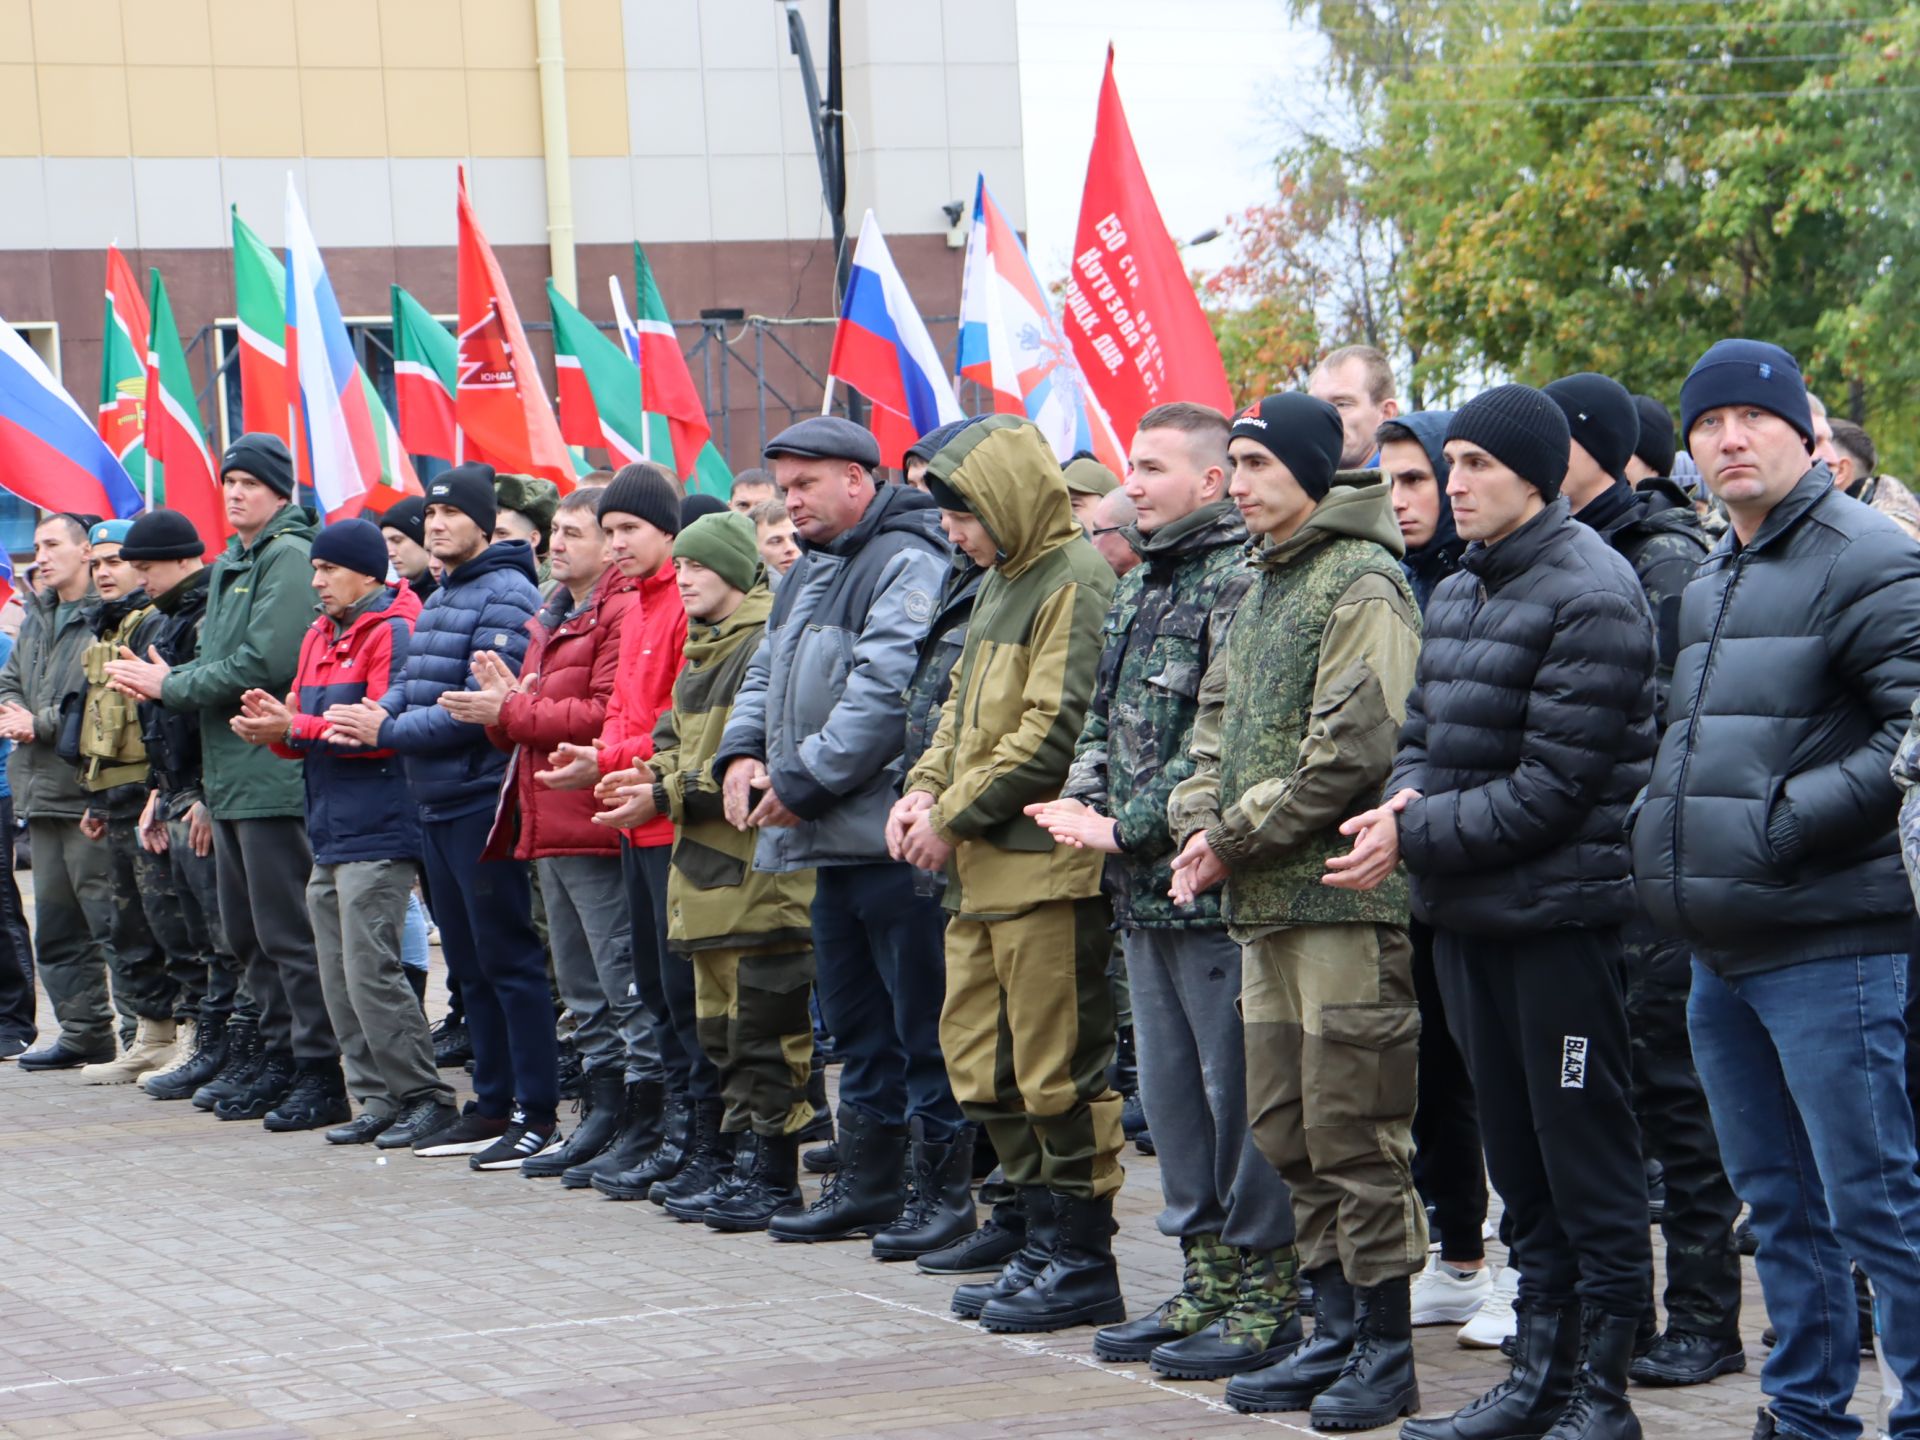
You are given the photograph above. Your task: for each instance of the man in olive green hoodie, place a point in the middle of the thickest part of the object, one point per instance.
(259, 606)
(1295, 735)
(1028, 1026)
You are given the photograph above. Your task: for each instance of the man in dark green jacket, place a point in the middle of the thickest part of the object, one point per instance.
(72, 899)
(259, 606)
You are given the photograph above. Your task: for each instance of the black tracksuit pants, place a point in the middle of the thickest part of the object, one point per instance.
(1448, 1166)
(1542, 1022)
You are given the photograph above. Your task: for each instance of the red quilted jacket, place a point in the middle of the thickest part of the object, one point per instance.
(653, 646)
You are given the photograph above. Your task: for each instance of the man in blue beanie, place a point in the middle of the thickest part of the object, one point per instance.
(1768, 840)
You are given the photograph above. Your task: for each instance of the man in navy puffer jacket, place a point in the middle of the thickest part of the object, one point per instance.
(485, 909)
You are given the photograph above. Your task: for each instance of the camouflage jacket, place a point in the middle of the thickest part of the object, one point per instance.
(1170, 616)
(1892, 499)
(1656, 530)
(1298, 718)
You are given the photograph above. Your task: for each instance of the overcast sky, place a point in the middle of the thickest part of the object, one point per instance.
(1206, 85)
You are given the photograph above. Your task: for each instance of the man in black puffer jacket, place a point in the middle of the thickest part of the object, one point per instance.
(1528, 735)
(1768, 839)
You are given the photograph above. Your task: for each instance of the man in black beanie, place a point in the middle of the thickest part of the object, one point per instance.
(1655, 529)
(259, 604)
(1653, 453)
(1528, 735)
(404, 525)
(1294, 734)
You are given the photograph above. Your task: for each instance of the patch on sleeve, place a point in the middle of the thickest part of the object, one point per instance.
(919, 606)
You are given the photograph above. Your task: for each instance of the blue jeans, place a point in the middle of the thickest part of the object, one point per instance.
(880, 953)
(1805, 1071)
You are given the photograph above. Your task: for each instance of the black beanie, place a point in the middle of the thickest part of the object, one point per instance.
(469, 489)
(162, 535)
(1303, 433)
(694, 506)
(263, 456)
(1523, 429)
(1657, 444)
(1601, 416)
(1746, 372)
(409, 517)
(643, 489)
(352, 544)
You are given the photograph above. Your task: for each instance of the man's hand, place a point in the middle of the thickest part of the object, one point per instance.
(262, 719)
(1376, 847)
(482, 706)
(1196, 870)
(770, 811)
(357, 724)
(630, 805)
(922, 847)
(142, 679)
(92, 826)
(200, 830)
(914, 802)
(1075, 823)
(620, 783)
(574, 767)
(16, 723)
(152, 830)
(744, 776)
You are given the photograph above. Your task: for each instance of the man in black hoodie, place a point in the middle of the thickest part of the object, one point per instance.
(1664, 543)
(1528, 734)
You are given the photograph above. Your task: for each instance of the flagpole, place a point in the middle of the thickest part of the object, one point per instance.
(629, 330)
(826, 401)
(146, 457)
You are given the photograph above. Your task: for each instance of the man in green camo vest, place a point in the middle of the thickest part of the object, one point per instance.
(1295, 735)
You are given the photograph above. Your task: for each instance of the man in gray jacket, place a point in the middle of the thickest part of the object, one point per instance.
(812, 754)
(72, 894)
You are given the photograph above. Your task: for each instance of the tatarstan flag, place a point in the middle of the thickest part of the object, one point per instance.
(498, 398)
(260, 300)
(123, 367)
(424, 357)
(667, 389)
(175, 438)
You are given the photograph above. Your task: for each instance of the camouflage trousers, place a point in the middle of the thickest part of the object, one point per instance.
(211, 986)
(155, 956)
(1028, 1034)
(753, 1022)
(73, 929)
(1703, 1266)
(1333, 1044)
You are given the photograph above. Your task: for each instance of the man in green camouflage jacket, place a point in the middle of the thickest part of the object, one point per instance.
(1295, 736)
(1226, 1205)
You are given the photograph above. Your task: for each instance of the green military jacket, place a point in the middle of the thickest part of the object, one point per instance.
(1298, 718)
(42, 671)
(1170, 616)
(1023, 681)
(259, 605)
(715, 898)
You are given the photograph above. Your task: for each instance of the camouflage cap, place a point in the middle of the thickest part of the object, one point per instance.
(534, 498)
(1087, 476)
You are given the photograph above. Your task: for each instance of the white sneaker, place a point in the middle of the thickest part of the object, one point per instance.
(1443, 1297)
(1495, 1320)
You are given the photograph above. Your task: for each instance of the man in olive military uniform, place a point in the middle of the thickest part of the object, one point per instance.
(527, 507)
(1294, 737)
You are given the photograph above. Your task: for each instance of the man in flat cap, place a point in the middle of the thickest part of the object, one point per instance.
(812, 755)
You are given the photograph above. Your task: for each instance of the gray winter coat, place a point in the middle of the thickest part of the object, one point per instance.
(820, 704)
(43, 669)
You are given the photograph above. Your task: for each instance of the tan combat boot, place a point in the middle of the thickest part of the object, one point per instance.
(152, 1047)
(185, 1037)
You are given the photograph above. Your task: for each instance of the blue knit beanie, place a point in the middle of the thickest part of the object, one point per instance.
(1746, 372)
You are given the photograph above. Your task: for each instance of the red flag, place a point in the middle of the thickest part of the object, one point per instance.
(1135, 325)
(502, 408)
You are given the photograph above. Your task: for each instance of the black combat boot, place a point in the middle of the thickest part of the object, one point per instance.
(316, 1099)
(1081, 1283)
(451, 1046)
(600, 1112)
(986, 1250)
(640, 1120)
(1292, 1384)
(939, 1209)
(1682, 1357)
(1599, 1409)
(707, 1177)
(209, 1053)
(646, 1170)
(1546, 1352)
(1036, 1249)
(1377, 1384)
(770, 1187)
(862, 1197)
(243, 1058)
(265, 1088)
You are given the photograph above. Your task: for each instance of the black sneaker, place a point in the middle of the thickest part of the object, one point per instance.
(451, 1047)
(416, 1123)
(469, 1133)
(361, 1131)
(521, 1143)
(316, 1100)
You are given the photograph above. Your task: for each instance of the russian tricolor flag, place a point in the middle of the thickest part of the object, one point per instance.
(882, 349)
(335, 445)
(50, 454)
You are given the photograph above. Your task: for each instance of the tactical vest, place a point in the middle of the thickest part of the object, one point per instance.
(112, 749)
(1274, 653)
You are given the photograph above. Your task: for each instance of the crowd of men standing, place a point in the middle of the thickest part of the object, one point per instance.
(1427, 801)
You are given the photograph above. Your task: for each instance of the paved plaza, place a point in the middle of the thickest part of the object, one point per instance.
(168, 1274)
